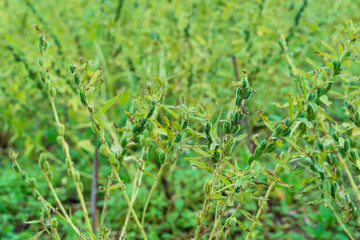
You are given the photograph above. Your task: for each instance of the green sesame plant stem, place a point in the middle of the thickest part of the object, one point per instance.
(107, 196)
(66, 216)
(341, 223)
(217, 222)
(136, 185)
(51, 94)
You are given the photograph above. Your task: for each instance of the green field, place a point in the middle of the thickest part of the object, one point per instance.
(179, 119)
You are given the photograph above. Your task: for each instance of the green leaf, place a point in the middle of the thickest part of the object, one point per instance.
(37, 235)
(324, 99)
(307, 123)
(108, 104)
(276, 179)
(267, 122)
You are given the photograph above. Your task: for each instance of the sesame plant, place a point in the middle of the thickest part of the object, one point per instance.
(310, 152)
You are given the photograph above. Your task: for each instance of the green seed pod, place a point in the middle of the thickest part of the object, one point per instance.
(313, 168)
(112, 159)
(238, 100)
(83, 98)
(247, 93)
(207, 128)
(95, 128)
(120, 158)
(226, 127)
(257, 153)
(347, 144)
(105, 150)
(356, 169)
(71, 68)
(238, 91)
(169, 144)
(320, 146)
(42, 75)
(271, 148)
(31, 182)
(335, 160)
(207, 187)
(357, 115)
(53, 92)
(68, 162)
(41, 62)
(244, 83)
(351, 205)
(263, 144)
(236, 117)
(286, 132)
(354, 155)
(251, 159)
(16, 168)
(124, 151)
(135, 128)
(328, 87)
(61, 129)
(355, 214)
(42, 160)
(338, 172)
(46, 45)
(81, 186)
(60, 140)
(230, 222)
(36, 194)
(46, 166)
(151, 111)
(47, 85)
(235, 129)
(48, 76)
(123, 142)
(322, 176)
(185, 124)
(162, 157)
(199, 218)
(287, 122)
(143, 121)
(333, 189)
(177, 138)
(220, 235)
(77, 78)
(311, 97)
(278, 130)
(208, 206)
(23, 176)
(335, 136)
(54, 223)
(77, 176)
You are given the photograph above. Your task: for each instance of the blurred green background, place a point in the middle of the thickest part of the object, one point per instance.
(192, 44)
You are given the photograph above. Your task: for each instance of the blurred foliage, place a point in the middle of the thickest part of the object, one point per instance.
(190, 43)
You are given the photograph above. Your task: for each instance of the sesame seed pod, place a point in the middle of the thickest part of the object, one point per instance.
(123, 142)
(77, 176)
(251, 159)
(162, 157)
(247, 93)
(335, 136)
(226, 127)
(83, 98)
(207, 187)
(263, 144)
(77, 78)
(271, 148)
(185, 124)
(105, 150)
(61, 129)
(124, 151)
(235, 129)
(54, 223)
(199, 218)
(238, 91)
(347, 144)
(71, 68)
(53, 92)
(278, 130)
(23, 176)
(356, 169)
(244, 82)
(286, 132)
(238, 100)
(16, 168)
(177, 138)
(257, 153)
(287, 122)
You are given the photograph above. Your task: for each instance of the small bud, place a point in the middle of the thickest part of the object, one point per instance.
(42, 75)
(71, 68)
(36, 194)
(247, 93)
(53, 92)
(83, 98)
(54, 223)
(31, 182)
(68, 162)
(60, 140)
(199, 218)
(112, 159)
(177, 138)
(81, 186)
(46, 166)
(77, 176)
(207, 187)
(105, 150)
(77, 78)
(61, 129)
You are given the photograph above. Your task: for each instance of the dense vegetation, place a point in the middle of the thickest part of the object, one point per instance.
(179, 120)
